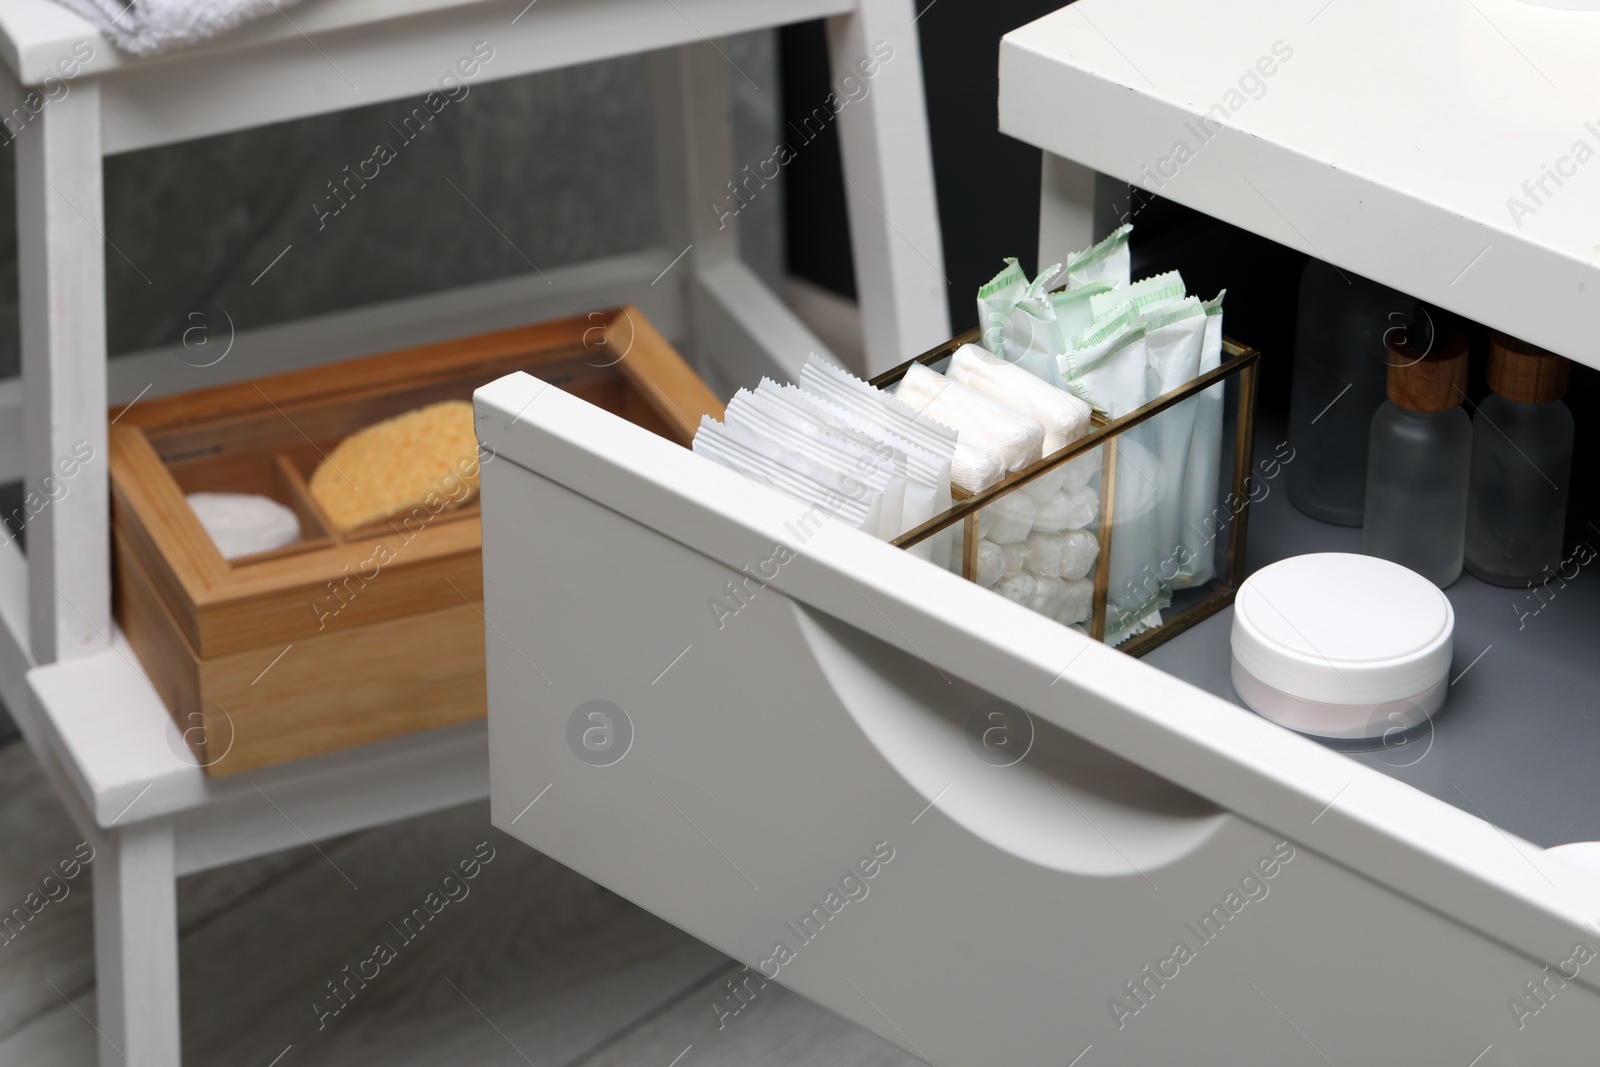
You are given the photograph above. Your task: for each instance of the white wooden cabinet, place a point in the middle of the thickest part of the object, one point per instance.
(1431, 145)
(729, 771)
(733, 775)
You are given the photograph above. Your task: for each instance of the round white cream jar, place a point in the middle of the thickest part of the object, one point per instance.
(1341, 645)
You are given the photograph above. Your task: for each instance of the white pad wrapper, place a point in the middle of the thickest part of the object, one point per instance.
(1064, 417)
(1018, 438)
(975, 468)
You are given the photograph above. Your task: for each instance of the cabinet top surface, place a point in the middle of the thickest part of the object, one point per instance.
(1448, 148)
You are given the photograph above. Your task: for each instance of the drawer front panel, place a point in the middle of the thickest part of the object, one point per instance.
(837, 813)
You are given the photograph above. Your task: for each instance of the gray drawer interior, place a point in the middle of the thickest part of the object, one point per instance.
(1517, 740)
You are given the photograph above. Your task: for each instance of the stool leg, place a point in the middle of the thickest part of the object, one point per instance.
(136, 947)
(61, 269)
(739, 325)
(888, 169)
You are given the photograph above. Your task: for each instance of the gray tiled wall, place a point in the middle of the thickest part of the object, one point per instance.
(544, 170)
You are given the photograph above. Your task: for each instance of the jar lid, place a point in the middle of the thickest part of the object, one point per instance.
(1342, 628)
(1526, 373)
(1431, 379)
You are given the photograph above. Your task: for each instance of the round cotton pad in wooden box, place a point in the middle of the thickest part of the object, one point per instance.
(400, 464)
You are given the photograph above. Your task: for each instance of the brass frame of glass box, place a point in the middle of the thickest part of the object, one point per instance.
(1240, 360)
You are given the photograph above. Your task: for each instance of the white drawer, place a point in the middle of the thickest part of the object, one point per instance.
(747, 762)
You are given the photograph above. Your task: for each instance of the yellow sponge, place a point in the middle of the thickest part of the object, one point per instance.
(426, 458)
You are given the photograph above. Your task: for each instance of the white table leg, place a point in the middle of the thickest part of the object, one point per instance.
(61, 268)
(136, 947)
(1066, 209)
(1076, 208)
(888, 169)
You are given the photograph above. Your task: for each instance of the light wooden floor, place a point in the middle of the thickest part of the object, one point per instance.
(535, 966)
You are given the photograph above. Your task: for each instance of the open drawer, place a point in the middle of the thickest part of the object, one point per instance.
(811, 785)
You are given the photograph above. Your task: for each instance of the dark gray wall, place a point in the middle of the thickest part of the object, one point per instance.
(562, 164)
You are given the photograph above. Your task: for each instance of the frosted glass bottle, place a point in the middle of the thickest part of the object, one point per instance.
(1521, 466)
(1338, 384)
(1419, 461)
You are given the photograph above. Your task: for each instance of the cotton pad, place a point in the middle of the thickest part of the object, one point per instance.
(242, 524)
(1065, 418)
(1018, 438)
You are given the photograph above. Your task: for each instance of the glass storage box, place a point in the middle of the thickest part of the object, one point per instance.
(1142, 588)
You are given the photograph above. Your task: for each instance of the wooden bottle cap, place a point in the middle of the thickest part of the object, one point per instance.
(1428, 381)
(1526, 373)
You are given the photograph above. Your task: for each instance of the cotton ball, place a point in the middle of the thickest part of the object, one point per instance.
(1008, 519)
(1068, 511)
(991, 563)
(1048, 484)
(1044, 554)
(1050, 595)
(1016, 587)
(1077, 604)
(1077, 472)
(243, 524)
(1079, 550)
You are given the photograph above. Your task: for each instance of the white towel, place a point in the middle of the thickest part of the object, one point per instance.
(150, 27)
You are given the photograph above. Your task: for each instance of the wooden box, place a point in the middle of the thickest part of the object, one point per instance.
(338, 640)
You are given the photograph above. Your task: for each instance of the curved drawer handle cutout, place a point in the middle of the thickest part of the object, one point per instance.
(1013, 780)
